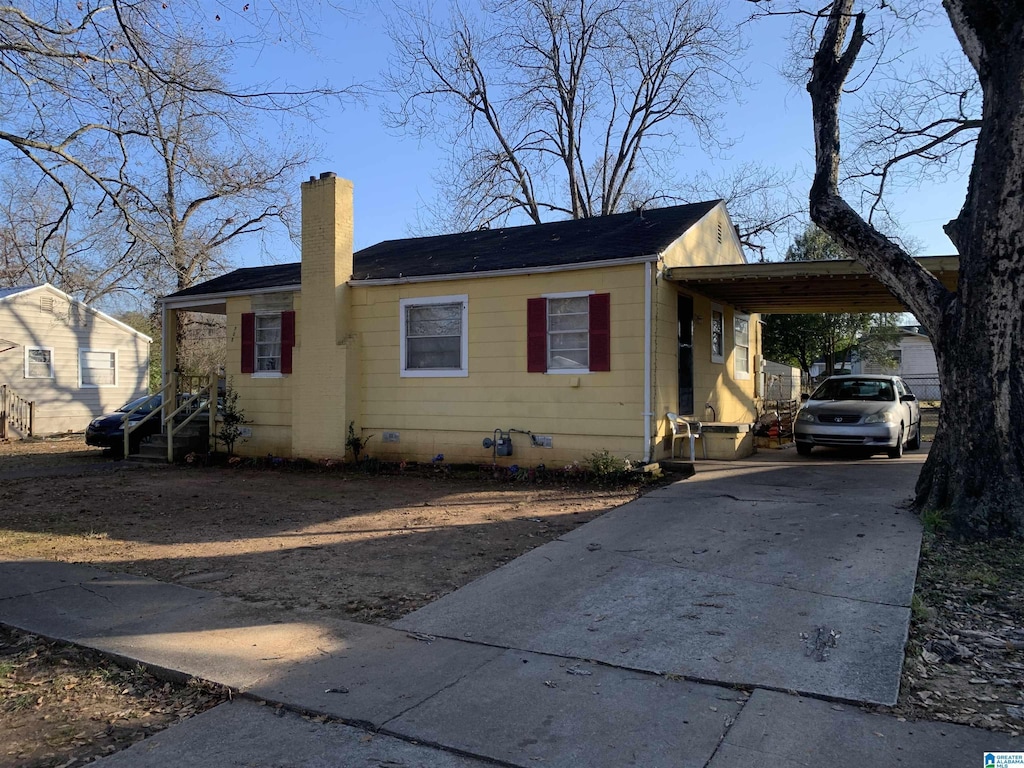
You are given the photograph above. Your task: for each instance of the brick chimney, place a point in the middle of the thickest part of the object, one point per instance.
(325, 382)
(326, 257)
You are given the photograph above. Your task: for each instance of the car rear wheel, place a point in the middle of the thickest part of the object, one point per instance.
(804, 449)
(897, 452)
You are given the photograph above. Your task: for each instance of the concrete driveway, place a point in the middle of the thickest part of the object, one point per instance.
(779, 572)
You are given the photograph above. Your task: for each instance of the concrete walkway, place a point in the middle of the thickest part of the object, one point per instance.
(619, 644)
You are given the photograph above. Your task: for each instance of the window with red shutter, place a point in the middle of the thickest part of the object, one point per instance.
(569, 332)
(267, 343)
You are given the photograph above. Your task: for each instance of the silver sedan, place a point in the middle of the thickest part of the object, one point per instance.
(860, 411)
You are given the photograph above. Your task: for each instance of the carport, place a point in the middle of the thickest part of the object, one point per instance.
(803, 287)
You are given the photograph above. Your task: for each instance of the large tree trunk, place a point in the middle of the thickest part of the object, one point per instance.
(975, 470)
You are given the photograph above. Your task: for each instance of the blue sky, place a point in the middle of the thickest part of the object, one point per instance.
(392, 174)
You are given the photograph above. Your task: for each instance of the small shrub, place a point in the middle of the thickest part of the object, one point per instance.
(604, 465)
(355, 443)
(232, 419)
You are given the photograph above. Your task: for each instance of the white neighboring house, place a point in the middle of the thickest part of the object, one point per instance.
(914, 361)
(914, 356)
(74, 362)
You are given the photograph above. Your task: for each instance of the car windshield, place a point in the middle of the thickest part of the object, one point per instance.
(150, 404)
(855, 389)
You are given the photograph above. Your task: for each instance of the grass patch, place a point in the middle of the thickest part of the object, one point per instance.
(935, 521)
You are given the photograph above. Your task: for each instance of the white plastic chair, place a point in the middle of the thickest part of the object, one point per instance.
(686, 430)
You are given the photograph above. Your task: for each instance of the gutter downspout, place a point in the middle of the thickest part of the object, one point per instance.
(651, 266)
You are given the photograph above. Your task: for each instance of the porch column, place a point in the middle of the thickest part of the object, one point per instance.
(168, 352)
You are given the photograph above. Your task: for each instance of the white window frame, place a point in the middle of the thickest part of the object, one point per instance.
(256, 372)
(739, 317)
(547, 331)
(718, 357)
(81, 384)
(28, 351)
(434, 373)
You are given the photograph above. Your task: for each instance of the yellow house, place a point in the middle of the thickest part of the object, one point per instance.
(556, 341)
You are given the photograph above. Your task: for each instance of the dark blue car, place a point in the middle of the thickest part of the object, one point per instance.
(108, 430)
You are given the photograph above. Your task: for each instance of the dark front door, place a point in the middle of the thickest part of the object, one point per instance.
(685, 307)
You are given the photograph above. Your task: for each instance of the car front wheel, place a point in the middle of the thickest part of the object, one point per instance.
(897, 452)
(915, 442)
(804, 449)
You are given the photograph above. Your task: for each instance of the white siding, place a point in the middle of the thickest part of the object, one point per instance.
(918, 357)
(62, 404)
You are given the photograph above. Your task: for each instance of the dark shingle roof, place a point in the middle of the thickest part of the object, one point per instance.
(557, 243)
(247, 279)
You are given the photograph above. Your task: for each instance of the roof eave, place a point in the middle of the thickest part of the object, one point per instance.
(218, 297)
(517, 271)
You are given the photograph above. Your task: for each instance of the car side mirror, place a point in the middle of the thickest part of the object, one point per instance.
(804, 397)
(908, 398)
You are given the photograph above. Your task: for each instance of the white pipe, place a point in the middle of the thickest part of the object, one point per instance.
(647, 360)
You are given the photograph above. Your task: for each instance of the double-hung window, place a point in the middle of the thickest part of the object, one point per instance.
(267, 342)
(434, 336)
(38, 363)
(741, 344)
(97, 368)
(569, 333)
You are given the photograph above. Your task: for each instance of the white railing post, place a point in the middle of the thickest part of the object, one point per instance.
(169, 409)
(214, 392)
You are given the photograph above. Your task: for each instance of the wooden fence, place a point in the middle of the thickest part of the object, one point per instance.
(16, 413)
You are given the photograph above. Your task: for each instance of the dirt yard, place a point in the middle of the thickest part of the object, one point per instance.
(367, 548)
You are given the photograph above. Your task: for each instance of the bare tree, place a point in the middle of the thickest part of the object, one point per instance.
(199, 179)
(975, 469)
(564, 107)
(78, 77)
(73, 257)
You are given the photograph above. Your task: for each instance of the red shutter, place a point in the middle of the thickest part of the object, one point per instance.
(248, 342)
(600, 332)
(287, 340)
(537, 335)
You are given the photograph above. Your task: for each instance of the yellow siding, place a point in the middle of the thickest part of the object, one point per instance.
(266, 402)
(583, 413)
(732, 400)
(62, 404)
(711, 242)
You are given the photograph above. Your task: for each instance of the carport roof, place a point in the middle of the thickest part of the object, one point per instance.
(803, 287)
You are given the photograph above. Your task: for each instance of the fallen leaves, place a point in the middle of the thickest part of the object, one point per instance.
(61, 705)
(965, 658)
